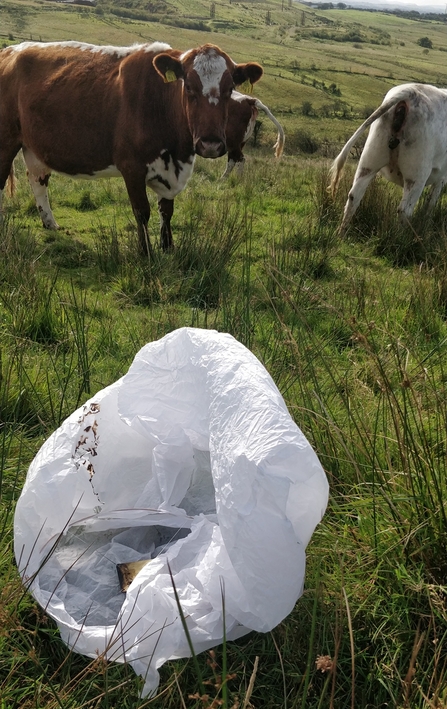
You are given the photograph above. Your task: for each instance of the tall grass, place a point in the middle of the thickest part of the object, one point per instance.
(352, 330)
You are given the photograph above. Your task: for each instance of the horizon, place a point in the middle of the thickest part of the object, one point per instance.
(394, 3)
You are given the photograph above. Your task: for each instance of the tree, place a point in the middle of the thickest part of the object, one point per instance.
(306, 108)
(425, 42)
(333, 89)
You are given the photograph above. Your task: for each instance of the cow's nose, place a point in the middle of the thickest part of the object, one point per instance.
(210, 147)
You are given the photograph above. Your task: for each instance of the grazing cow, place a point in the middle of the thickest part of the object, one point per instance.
(96, 111)
(407, 143)
(242, 114)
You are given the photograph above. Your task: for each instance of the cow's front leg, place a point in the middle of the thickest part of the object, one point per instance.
(166, 210)
(236, 160)
(136, 189)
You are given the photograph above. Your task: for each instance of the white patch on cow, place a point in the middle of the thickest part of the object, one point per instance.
(163, 179)
(38, 174)
(185, 54)
(210, 68)
(249, 130)
(237, 96)
(82, 46)
(115, 51)
(155, 47)
(110, 171)
(231, 164)
(229, 169)
(250, 127)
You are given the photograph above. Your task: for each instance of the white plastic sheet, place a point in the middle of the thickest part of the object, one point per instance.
(192, 459)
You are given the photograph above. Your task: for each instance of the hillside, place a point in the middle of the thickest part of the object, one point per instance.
(324, 69)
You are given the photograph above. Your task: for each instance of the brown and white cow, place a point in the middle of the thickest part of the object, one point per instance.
(242, 115)
(140, 112)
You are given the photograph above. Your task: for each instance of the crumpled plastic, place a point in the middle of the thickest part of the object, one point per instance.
(191, 459)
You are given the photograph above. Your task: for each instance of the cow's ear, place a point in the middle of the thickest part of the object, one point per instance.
(251, 72)
(168, 67)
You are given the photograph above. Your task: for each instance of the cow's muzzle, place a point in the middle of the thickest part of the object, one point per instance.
(210, 147)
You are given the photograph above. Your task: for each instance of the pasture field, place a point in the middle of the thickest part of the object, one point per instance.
(301, 50)
(353, 331)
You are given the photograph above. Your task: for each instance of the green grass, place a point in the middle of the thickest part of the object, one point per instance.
(352, 330)
(354, 334)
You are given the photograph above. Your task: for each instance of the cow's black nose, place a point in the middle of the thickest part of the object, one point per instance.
(210, 147)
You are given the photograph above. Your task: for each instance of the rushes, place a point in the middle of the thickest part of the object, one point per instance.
(352, 330)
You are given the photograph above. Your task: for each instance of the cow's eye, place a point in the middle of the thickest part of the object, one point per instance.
(188, 89)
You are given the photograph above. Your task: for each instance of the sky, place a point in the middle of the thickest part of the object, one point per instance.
(438, 4)
(421, 3)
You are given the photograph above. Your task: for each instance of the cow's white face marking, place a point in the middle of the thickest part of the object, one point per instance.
(168, 178)
(95, 48)
(210, 68)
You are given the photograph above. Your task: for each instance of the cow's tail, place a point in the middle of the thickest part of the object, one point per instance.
(11, 184)
(337, 166)
(279, 145)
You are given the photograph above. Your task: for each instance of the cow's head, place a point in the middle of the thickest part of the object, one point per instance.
(209, 76)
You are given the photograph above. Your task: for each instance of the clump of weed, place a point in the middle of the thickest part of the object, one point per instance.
(141, 281)
(31, 208)
(66, 250)
(204, 253)
(107, 248)
(304, 141)
(85, 202)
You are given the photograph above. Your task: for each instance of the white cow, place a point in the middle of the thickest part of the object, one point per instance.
(407, 143)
